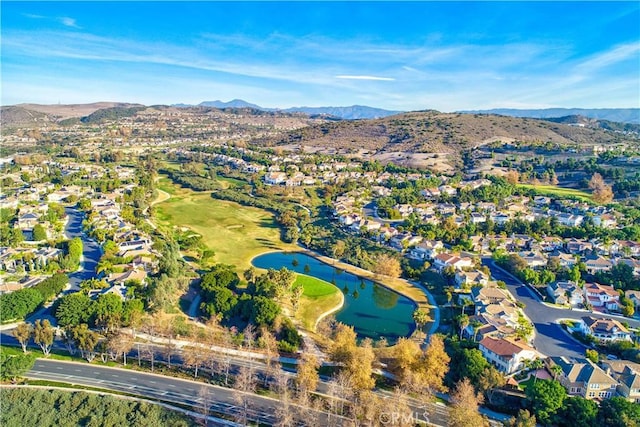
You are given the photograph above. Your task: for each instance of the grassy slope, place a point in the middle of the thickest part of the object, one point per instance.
(318, 298)
(554, 191)
(236, 233)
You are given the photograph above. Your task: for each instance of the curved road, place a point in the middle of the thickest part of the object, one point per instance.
(550, 338)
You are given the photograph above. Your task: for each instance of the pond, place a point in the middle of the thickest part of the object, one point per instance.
(373, 310)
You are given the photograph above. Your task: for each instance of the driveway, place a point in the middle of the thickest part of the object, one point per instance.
(550, 338)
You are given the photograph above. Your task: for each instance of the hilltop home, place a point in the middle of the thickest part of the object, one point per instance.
(602, 296)
(582, 377)
(508, 356)
(604, 330)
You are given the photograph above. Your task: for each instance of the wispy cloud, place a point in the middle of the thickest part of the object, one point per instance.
(68, 22)
(362, 77)
(64, 20)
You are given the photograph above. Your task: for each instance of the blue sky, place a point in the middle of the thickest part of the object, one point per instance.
(406, 56)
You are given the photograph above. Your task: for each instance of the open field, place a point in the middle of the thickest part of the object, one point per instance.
(554, 191)
(235, 233)
(319, 297)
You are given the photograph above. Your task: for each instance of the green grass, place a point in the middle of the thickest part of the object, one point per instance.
(318, 298)
(554, 191)
(314, 287)
(234, 232)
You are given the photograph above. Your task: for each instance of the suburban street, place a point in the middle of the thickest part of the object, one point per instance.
(550, 338)
(91, 251)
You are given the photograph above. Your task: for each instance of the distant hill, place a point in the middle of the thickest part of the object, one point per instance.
(37, 114)
(621, 115)
(434, 132)
(577, 120)
(234, 103)
(353, 112)
(113, 113)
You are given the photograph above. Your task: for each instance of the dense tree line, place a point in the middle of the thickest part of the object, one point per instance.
(550, 404)
(23, 406)
(19, 304)
(257, 305)
(107, 312)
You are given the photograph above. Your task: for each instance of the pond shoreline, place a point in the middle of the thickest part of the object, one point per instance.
(413, 293)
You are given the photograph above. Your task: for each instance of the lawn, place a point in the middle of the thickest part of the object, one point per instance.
(318, 298)
(554, 191)
(234, 232)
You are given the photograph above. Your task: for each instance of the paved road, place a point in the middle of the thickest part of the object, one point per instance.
(549, 339)
(91, 251)
(371, 210)
(169, 389)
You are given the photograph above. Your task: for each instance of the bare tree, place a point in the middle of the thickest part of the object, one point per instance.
(204, 406)
(245, 384)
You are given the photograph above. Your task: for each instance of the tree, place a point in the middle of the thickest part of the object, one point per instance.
(43, 335)
(108, 311)
(343, 344)
(512, 177)
(245, 383)
(592, 355)
(618, 412)
(524, 419)
(463, 322)
(22, 333)
(264, 311)
(434, 365)
(601, 192)
(387, 265)
(307, 376)
(421, 317)
(405, 358)
(545, 398)
(465, 403)
(13, 366)
(39, 233)
(577, 411)
(74, 309)
(490, 380)
(86, 340)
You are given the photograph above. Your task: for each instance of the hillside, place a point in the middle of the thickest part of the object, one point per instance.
(448, 134)
(26, 115)
(577, 120)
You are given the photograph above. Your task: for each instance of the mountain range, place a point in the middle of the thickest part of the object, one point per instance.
(620, 115)
(348, 113)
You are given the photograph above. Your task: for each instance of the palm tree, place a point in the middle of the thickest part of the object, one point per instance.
(556, 370)
(421, 317)
(463, 322)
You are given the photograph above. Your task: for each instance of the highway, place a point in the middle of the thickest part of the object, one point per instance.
(550, 338)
